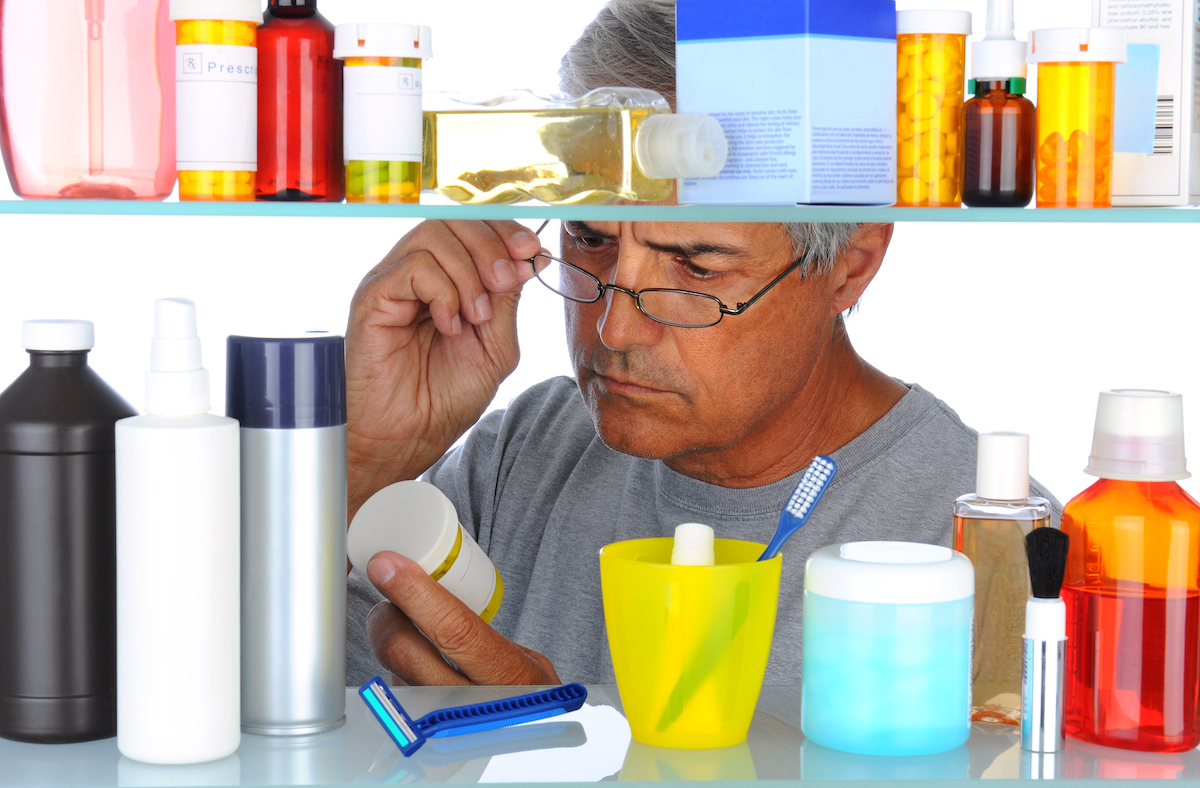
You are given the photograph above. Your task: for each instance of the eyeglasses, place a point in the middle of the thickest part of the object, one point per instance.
(676, 308)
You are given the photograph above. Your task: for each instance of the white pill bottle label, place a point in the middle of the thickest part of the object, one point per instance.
(216, 107)
(382, 113)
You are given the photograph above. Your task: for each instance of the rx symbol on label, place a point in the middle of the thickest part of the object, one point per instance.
(193, 63)
(406, 82)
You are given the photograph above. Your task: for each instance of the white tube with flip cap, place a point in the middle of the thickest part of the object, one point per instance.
(178, 546)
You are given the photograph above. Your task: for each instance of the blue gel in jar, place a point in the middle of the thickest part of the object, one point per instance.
(887, 648)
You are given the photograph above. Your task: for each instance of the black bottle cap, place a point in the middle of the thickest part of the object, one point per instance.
(286, 384)
(291, 9)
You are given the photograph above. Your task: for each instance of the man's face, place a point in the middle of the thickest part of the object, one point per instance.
(662, 392)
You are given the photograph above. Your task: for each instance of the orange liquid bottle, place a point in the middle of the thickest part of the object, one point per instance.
(1132, 586)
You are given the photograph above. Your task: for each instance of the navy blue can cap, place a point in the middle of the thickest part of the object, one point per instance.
(291, 383)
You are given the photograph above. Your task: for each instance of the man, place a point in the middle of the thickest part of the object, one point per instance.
(663, 424)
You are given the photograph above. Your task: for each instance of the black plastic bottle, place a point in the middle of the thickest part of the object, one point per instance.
(58, 555)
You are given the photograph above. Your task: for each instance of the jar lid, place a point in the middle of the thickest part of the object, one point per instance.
(225, 10)
(1077, 45)
(1138, 437)
(954, 23)
(382, 40)
(414, 519)
(58, 335)
(893, 573)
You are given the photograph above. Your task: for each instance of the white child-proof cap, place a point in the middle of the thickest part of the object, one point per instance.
(1002, 466)
(379, 39)
(416, 520)
(893, 573)
(693, 545)
(225, 10)
(58, 335)
(1138, 437)
(1077, 45)
(954, 23)
(681, 146)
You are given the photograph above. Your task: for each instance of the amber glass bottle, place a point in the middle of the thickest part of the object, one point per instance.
(998, 128)
(299, 106)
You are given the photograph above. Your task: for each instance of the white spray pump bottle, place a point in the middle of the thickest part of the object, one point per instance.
(178, 560)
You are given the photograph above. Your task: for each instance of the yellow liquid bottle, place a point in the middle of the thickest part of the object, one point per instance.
(611, 144)
(990, 528)
(216, 79)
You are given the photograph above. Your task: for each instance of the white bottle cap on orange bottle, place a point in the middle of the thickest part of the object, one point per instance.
(1138, 437)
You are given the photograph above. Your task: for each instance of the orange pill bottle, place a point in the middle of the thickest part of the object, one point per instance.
(931, 52)
(1076, 84)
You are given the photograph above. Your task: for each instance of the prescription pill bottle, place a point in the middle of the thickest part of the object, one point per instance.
(382, 109)
(417, 521)
(1076, 81)
(930, 60)
(216, 97)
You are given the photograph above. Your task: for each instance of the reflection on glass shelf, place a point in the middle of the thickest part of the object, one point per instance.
(590, 745)
(677, 213)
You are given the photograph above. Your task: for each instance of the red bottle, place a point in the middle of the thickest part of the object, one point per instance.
(299, 106)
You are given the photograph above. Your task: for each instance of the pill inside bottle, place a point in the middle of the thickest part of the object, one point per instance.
(693, 545)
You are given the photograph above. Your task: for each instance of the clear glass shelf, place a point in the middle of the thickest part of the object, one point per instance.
(590, 745)
(680, 213)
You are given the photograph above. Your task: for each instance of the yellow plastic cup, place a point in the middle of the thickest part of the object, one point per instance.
(689, 643)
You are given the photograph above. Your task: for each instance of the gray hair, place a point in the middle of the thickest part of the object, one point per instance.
(631, 43)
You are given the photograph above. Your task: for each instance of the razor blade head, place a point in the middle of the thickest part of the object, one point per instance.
(391, 715)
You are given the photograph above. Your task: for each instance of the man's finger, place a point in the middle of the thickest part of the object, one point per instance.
(480, 652)
(404, 651)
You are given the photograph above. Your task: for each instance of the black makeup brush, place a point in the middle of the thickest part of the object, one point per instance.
(1042, 720)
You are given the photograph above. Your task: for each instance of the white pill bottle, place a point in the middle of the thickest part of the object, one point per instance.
(416, 520)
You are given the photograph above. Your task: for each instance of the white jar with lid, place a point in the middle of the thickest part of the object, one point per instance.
(416, 520)
(887, 648)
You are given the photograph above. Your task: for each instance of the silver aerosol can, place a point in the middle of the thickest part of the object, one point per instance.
(289, 395)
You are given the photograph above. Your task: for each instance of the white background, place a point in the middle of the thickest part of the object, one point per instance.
(1017, 326)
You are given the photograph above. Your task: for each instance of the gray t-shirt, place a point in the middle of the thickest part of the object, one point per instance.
(542, 494)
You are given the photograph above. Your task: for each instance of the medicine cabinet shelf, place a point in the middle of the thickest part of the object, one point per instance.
(681, 213)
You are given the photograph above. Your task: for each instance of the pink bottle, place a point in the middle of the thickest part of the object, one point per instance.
(87, 98)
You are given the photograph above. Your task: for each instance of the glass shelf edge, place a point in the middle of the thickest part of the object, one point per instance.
(680, 213)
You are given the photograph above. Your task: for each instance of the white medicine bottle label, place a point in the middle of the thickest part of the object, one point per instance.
(382, 113)
(216, 107)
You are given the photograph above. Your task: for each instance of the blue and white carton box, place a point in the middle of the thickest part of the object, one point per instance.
(805, 91)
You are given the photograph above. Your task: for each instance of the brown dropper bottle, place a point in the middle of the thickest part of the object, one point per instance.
(998, 122)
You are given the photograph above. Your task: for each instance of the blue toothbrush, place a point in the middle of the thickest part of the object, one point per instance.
(800, 506)
(409, 735)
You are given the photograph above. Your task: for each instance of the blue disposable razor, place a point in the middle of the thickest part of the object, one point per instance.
(458, 720)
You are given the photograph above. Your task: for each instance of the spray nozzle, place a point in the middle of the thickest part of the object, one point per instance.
(177, 383)
(1000, 20)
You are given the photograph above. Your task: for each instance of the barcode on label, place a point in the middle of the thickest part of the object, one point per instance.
(1164, 125)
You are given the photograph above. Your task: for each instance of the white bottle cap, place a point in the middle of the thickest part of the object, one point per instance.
(225, 10)
(416, 520)
(1077, 45)
(891, 573)
(382, 40)
(681, 146)
(954, 23)
(1138, 437)
(177, 383)
(58, 335)
(1002, 466)
(693, 545)
(999, 55)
